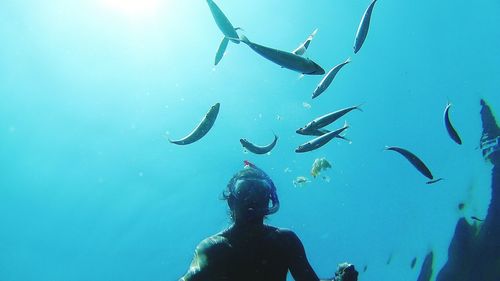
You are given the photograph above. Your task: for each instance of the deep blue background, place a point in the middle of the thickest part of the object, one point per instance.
(91, 190)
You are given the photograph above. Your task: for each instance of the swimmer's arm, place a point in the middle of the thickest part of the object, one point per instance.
(200, 268)
(197, 269)
(300, 268)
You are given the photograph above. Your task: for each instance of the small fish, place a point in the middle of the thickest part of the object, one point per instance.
(258, 149)
(414, 160)
(461, 206)
(389, 259)
(413, 262)
(223, 22)
(311, 132)
(451, 130)
(329, 118)
(202, 129)
(328, 78)
(319, 164)
(306, 105)
(320, 141)
(476, 218)
(221, 50)
(363, 27)
(300, 181)
(318, 132)
(434, 181)
(301, 49)
(365, 268)
(285, 59)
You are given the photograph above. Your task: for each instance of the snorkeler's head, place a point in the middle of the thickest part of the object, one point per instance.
(251, 194)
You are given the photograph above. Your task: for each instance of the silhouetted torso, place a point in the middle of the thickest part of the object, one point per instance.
(262, 253)
(255, 256)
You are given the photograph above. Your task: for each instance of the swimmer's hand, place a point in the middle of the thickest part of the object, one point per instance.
(346, 272)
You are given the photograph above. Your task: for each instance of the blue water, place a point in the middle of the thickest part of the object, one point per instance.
(90, 189)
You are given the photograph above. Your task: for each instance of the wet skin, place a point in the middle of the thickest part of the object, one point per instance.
(251, 253)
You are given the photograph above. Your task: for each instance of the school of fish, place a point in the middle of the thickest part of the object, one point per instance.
(294, 60)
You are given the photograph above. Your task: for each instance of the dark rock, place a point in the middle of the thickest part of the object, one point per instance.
(474, 252)
(426, 270)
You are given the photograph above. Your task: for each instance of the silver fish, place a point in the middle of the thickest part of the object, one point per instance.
(311, 132)
(363, 27)
(202, 129)
(222, 21)
(329, 118)
(285, 59)
(221, 50)
(451, 130)
(317, 132)
(328, 78)
(302, 48)
(413, 159)
(258, 149)
(320, 141)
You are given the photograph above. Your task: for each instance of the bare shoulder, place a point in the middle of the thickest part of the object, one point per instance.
(288, 236)
(212, 244)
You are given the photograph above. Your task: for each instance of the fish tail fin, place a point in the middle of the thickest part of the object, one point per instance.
(349, 141)
(275, 135)
(173, 141)
(167, 138)
(358, 107)
(313, 33)
(346, 125)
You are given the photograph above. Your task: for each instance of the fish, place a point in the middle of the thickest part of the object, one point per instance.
(413, 159)
(301, 49)
(413, 262)
(319, 164)
(320, 141)
(461, 206)
(300, 181)
(449, 127)
(311, 132)
(285, 59)
(223, 22)
(258, 149)
(221, 50)
(363, 27)
(476, 218)
(318, 132)
(328, 78)
(389, 259)
(329, 118)
(202, 129)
